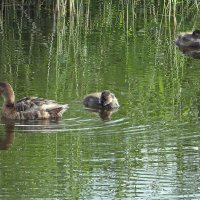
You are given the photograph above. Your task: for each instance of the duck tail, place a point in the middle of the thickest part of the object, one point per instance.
(58, 111)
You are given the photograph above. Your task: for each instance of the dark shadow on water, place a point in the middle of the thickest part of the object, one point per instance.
(7, 139)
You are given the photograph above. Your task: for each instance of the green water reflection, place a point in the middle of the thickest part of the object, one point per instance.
(148, 149)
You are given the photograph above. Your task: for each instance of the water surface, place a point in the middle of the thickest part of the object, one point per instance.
(148, 149)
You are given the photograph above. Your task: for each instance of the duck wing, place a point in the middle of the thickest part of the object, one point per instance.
(25, 104)
(39, 108)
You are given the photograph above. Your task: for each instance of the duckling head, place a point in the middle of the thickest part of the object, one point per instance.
(106, 98)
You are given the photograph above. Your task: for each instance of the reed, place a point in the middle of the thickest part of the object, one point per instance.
(88, 16)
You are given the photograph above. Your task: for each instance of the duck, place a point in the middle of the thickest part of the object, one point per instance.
(101, 100)
(28, 108)
(188, 39)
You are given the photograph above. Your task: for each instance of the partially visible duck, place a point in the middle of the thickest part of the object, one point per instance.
(101, 100)
(28, 107)
(189, 39)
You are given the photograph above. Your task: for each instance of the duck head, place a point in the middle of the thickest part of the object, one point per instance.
(106, 98)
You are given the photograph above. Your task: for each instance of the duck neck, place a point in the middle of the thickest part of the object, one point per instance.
(9, 97)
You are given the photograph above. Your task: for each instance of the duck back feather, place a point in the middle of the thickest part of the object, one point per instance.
(39, 108)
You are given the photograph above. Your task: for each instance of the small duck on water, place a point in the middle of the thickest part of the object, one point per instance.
(32, 108)
(101, 100)
(188, 39)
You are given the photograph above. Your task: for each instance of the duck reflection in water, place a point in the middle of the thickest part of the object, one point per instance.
(189, 43)
(45, 126)
(6, 140)
(105, 115)
(104, 103)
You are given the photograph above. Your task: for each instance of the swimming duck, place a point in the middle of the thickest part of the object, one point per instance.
(28, 107)
(101, 100)
(189, 39)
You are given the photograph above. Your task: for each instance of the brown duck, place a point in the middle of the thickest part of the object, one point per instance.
(101, 100)
(29, 107)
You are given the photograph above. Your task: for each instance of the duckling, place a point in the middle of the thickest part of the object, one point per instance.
(101, 100)
(189, 39)
(29, 107)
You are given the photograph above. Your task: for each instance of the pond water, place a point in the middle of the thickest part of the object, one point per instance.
(148, 149)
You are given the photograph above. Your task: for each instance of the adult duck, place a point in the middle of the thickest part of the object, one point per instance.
(189, 39)
(101, 100)
(29, 107)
